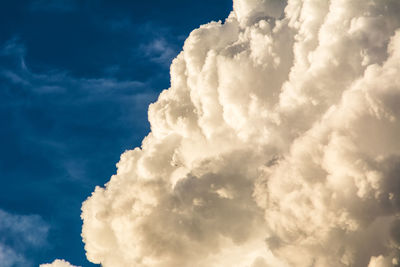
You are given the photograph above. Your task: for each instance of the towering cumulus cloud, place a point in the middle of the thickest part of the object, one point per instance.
(276, 145)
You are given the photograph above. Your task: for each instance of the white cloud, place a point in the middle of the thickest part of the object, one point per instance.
(276, 145)
(58, 263)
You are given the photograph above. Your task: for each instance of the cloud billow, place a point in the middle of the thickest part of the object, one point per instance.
(276, 145)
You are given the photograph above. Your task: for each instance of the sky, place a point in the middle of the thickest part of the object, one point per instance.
(270, 140)
(76, 78)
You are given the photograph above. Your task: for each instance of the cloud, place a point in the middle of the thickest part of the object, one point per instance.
(15, 72)
(57, 123)
(157, 43)
(276, 145)
(58, 263)
(51, 100)
(19, 234)
(159, 51)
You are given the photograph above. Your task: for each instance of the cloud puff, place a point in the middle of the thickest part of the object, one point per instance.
(57, 263)
(19, 234)
(276, 145)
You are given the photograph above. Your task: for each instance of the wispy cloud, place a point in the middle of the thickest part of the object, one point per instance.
(160, 51)
(161, 45)
(55, 81)
(19, 234)
(155, 43)
(91, 107)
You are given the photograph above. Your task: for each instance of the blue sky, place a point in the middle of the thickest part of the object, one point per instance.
(76, 78)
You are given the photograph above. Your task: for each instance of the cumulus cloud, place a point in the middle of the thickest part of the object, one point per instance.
(276, 145)
(58, 263)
